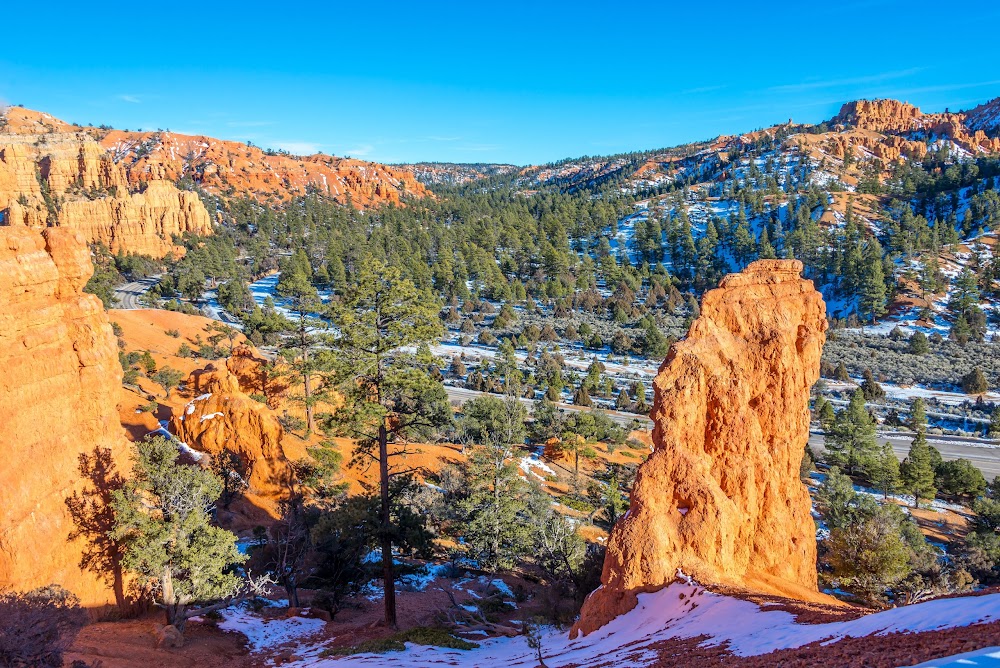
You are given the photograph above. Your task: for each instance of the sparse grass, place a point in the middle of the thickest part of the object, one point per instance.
(420, 635)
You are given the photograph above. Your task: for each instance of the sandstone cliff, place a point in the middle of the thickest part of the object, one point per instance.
(222, 417)
(720, 497)
(892, 117)
(58, 394)
(232, 168)
(52, 174)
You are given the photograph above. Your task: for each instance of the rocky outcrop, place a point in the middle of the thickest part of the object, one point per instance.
(985, 118)
(59, 390)
(720, 498)
(892, 117)
(885, 116)
(227, 167)
(222, 417)
(55, 174)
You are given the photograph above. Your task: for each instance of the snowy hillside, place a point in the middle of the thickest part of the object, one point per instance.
(682, 616)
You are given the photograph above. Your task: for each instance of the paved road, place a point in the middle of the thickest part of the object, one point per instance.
(985, 455)
(985, 458)
(128, 296)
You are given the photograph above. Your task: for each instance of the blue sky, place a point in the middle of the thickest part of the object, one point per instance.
(485, 81)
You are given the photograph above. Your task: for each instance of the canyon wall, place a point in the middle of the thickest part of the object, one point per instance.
(892, 117)
(720, 498)
(233, 168)
(59, 390)
(55, 174)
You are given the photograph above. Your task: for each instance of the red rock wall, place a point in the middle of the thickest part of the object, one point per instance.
(720, 497)
(41, 156)
(59, 389)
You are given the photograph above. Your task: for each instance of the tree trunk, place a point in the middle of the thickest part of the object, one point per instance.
(307, 385)
(388, 579)
(310, 421)
(118, 583)
(172, 607)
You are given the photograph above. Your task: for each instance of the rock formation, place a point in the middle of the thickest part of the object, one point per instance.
(720, 497)
(225, 167)
(59, 390)
(892, 117)
(52, 173)
(222, 417)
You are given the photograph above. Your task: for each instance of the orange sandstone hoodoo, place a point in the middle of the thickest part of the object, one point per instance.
(223, 418)
(59, 387)
(720, 498)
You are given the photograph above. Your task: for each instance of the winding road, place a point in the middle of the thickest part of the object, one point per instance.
(128, 296)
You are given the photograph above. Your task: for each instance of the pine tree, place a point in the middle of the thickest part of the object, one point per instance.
(495, 509)
(918, 344)
(163, 517)
(974, 382)
(870, 387)
(917, 471)
(885, 471)
(851, 443)
(389, 396)
(918, 416)
(299, 350)
(765, 250)
(873, 291)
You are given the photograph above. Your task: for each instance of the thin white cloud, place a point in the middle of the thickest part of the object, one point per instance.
(131, 99)
(249, 124)
(359, 151)
(440, 138)
(297, 147)
(701, 89)
(853, 81)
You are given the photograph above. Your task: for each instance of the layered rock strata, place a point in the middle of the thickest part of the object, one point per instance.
(59, 389)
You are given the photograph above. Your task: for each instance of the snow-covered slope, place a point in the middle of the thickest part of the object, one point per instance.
(682, 614)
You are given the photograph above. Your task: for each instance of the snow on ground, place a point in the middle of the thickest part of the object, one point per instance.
(268, 633)
(534, 461)
(988, 657)
(681, 611)
(425, 576)
(911, 392)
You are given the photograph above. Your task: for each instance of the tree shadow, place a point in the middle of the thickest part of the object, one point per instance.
(93, 519)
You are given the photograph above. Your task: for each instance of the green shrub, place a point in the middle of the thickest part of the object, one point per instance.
(420, 635)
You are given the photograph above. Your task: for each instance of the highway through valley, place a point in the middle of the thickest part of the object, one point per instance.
(982, 453)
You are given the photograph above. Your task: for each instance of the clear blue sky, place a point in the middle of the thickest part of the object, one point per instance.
(487, 81)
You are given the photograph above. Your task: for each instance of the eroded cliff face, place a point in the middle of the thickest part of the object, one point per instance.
(720, 498)
(59, 389)
(892, 117)
(222, 417)
(54, 174)
(227, 167)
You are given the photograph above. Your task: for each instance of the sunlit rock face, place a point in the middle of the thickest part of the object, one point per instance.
(60, 383)
(720, 497)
